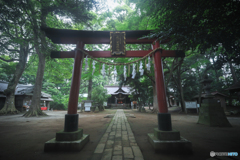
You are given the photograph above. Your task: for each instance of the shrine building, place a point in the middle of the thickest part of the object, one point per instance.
(119, 97)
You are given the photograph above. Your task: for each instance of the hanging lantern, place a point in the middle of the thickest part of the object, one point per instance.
(133, 72)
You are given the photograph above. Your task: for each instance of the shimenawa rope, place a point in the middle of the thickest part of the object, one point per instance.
(118, 64)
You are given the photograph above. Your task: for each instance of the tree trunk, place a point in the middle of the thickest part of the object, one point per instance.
(179, 85)
(89, 88)
(168, 99)
(9, 106)
(42, 50)
(233, 73)
(140, 104)
(182, 101)
(215, 70)
(35, 109)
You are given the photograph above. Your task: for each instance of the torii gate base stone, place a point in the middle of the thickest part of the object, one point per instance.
(67, 141)
(164, 139)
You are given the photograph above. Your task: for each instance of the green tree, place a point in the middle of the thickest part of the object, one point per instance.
(203, 24)
(141, 88)
(37, 12)
(7, 69)
(16, 43)
(99, 95)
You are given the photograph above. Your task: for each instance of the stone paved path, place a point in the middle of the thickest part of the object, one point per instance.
(118, 143)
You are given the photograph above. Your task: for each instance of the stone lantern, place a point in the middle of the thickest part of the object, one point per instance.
(211, 113)
(207, 86)
(87, 105)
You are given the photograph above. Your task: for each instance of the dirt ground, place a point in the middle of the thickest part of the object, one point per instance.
(23, 138)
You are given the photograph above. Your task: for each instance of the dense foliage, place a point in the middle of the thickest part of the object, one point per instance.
(208, 31)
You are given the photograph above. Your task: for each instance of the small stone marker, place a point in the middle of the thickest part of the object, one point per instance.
(87, 105)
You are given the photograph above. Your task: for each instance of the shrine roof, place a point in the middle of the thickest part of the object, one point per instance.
(113, 89)
(235, 87)
(23, 89)
(218, 93)
(120, 90)
(213, 93)
(67, 36)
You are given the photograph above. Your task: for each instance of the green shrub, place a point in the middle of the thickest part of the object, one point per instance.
(99, 95)
(57, 106)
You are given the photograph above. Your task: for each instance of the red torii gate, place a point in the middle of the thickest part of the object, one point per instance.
(63, 36)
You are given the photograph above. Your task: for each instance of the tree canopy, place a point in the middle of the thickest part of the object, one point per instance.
(208, 31)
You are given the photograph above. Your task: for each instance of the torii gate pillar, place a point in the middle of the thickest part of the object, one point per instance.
(71, 138)
(71, 118)
(164, 139)
(164, 118)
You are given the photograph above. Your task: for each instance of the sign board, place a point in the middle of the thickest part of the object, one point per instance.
(88, 106)
(191, 105)
(117, 43)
